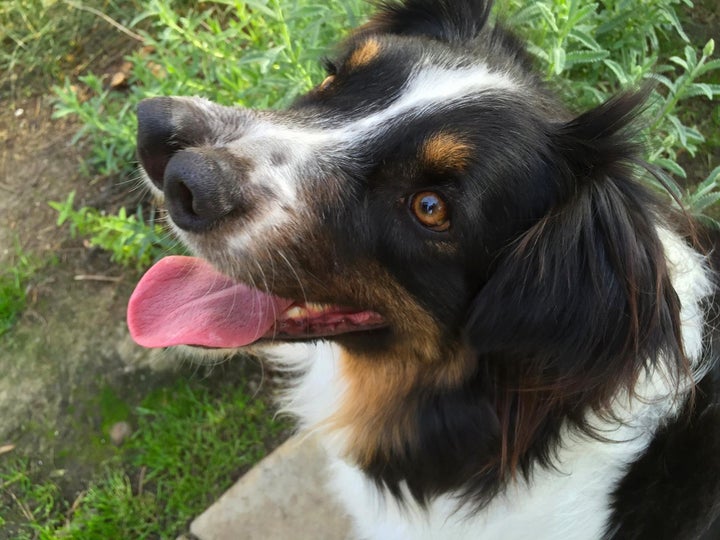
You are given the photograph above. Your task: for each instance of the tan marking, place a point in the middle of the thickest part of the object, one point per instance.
(377, 412)
(363, 55)
(446, 151)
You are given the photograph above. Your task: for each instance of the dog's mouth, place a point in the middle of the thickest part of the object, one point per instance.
(185, 301)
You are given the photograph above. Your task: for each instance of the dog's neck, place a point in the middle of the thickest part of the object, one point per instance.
(369, 420)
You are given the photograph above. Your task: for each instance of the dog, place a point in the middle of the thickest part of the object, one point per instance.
(496, 330)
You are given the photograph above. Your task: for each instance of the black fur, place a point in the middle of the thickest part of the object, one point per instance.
(445, 20)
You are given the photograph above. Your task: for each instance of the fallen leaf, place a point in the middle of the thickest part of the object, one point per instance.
(6, 448)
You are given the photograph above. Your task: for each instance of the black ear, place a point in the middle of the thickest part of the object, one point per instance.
(583, 298)
(454, 21)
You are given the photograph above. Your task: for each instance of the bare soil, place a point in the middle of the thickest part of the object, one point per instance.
(71, 344)
(71, 339)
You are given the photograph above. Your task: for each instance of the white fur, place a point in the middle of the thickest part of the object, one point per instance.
(427, 90)
(570, 501)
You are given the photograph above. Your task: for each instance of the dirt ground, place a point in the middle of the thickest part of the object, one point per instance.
(71, 349)
(71, 340)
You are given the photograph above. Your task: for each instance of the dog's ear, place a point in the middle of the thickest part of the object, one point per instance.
(583, 298)
(453, 21)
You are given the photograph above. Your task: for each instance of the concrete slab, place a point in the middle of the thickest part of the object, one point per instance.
(283, 497)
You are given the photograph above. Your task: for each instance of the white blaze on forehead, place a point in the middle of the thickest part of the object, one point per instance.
(427, 91)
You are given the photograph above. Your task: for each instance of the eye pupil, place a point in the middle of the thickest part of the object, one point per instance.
(430, 204)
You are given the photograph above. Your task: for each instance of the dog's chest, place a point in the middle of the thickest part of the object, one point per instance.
(572, 502)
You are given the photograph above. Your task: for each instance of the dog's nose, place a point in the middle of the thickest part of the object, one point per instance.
(201, 187)
(201, 184)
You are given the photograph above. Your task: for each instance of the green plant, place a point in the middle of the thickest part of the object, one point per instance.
(593, 49)
(683, 87)
(14, 280)
(28, 508)
(35, 50)
(131, 241)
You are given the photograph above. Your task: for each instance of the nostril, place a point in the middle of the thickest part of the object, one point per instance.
(182, 197)
(199, 190)
(156, 133)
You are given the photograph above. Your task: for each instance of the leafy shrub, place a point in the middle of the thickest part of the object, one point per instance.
(595, 48)
(263, 53)
(131, 241)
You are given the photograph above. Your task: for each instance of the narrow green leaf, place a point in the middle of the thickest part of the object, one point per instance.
(709, 48)
(538, 52)
(672, 17)
(712, 65)
(679, 128)
(714, 175)
(671, 166)
(701, 89)
(618, 70)
(582, 14)
(261, 7)
(702, 203)
(585, 57)
(664, 81)
(585, 38)
(559, 57)
(680, 62)
(548, 15)
(525, 15)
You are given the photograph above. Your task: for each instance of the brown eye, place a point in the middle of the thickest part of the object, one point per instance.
(430, 210)
(326, 82)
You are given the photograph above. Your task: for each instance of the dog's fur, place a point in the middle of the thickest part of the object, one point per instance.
(545, 370)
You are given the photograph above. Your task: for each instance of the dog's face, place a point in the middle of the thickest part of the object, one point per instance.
(430, 208)
(383, 190)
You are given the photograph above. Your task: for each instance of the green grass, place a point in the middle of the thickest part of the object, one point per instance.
(129, 238)
(14, 280)
(42, 41)
(189, 445)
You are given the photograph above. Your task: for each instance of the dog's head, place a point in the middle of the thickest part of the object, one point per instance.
(486, 261)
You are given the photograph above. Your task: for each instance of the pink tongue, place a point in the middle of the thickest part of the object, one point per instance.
(184, 300)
